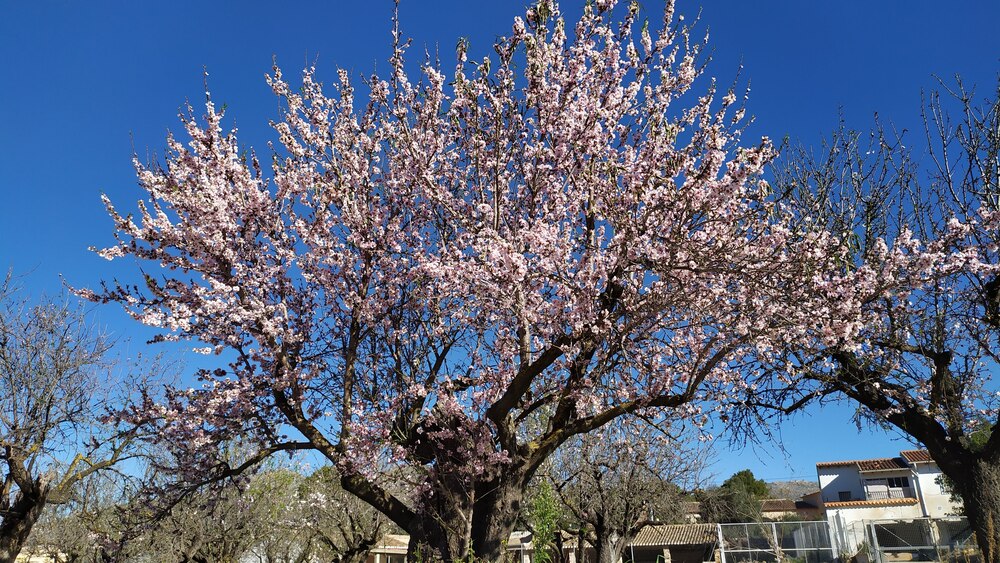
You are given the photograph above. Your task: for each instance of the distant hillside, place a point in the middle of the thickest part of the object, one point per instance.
(791, 489)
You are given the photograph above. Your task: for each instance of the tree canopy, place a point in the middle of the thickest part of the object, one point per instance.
(545, 234)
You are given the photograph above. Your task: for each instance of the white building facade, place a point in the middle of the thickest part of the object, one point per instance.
(898, 488)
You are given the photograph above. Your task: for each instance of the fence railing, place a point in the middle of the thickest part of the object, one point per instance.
(798, 542)
(885, 494)
(922, 539)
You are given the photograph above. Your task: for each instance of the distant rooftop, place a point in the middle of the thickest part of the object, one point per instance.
(676, 534)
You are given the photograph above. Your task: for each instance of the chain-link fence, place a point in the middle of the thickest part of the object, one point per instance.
(778, 542)
(922, 539)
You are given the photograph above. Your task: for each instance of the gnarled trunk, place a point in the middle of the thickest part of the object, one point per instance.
(470, 523)
(609, 546)
(355, 556)
(445, 533)
(358, 553)
(496, 511)
(434, 540)
(981, 498)
(18, 521)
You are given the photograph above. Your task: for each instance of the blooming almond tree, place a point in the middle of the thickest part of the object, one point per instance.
(914, 300)
(446, 281)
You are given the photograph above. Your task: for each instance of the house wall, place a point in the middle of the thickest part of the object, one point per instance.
(937, 503)
(847, 525)
(832, 480)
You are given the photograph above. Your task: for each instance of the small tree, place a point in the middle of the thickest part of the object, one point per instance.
(56, 390)
(95, 526)
(222, 524)
(544, 518)
(343, 527)
(738, 499)
(622, 478)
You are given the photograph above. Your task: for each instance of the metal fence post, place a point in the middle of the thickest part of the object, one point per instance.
(778, 556)
(722, 543)
(875, 547)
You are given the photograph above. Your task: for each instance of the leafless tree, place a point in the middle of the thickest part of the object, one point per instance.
(95, 526)
(343, 527)
(57, 376)
(624, 477)
(274, 516)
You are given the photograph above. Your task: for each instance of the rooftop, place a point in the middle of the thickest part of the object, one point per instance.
(868, 503)
(677, 534)
(917, 456)
(906, 458)
(883, 464)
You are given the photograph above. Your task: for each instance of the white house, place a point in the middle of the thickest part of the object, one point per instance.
(894, 488)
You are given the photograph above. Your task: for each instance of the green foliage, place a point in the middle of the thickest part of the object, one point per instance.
(545, 515)
(744, 482)
(737, 500)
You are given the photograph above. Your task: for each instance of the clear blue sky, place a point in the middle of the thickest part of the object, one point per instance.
(85, 82)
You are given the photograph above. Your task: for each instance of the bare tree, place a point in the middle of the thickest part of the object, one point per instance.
(222, 524)
(55, 390)
(343, 527)
(95, 526)
(624, 477)
(276, 516)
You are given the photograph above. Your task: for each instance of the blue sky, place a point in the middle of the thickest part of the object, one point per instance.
(85, 83)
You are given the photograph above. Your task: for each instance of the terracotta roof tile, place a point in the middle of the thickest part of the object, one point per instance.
(864, 503)
(877, 464)
(914, 456)
(823, 464)
(677, 534)
(691, 507)
(777, 505)
(882, 464)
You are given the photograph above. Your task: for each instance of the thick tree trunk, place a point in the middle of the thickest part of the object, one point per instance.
(609, 547)
(358, 553)
(470, 523)
(18, 521)
(446, 533)
(981, 498)
(433, 540)
(496, 510)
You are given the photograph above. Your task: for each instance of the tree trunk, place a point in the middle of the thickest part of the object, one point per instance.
(358, 552)
(469, 523)
(19, 520)
(445, 534)
(609, 547)
(981, 499)
(355, 557)
(431, 540)
(496, 510)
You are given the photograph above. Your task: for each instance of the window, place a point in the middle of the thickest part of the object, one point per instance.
(899, 482)
(844, 495)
